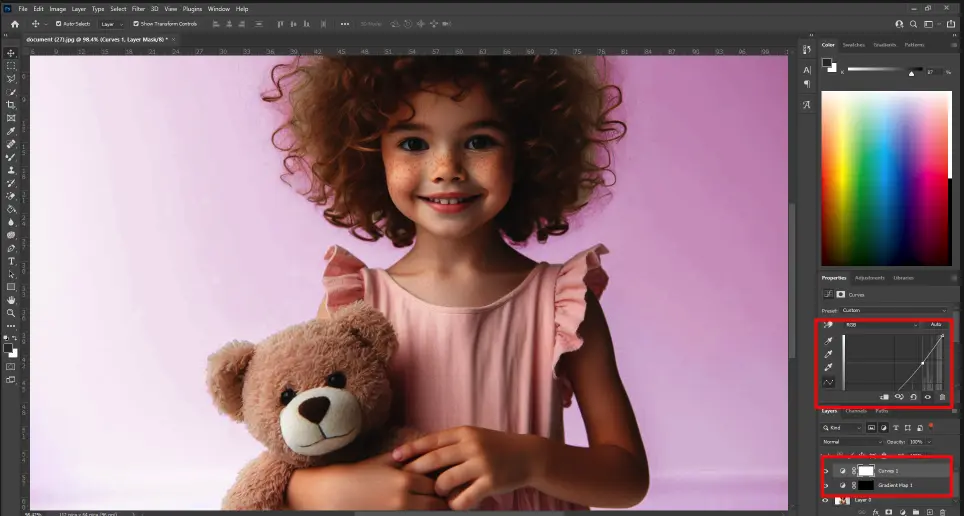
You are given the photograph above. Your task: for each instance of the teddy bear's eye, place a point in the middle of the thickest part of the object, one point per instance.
(336, 380)
(287, 395)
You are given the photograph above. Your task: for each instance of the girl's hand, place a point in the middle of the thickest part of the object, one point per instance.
(374, 485)
(478, 463)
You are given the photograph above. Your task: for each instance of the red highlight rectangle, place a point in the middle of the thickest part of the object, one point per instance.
(816, 366)
(948, 458)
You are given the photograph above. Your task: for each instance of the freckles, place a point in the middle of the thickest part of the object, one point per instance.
(492, 167)
(435, 162)
(402, 175)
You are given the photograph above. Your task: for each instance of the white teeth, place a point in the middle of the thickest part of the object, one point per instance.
(449, 201)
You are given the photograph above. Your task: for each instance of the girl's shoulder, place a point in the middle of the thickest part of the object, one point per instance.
(575, 280)
(582, 272)
(340, 261)
(343, 278)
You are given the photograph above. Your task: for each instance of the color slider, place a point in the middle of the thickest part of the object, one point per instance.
(910, 71)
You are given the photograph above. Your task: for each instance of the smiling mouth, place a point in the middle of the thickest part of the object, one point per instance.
(450, 200)
(324, 438)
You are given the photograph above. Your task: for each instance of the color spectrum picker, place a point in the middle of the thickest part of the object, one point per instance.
(886, 174)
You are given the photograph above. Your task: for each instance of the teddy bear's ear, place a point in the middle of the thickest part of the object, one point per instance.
(368, 327)
(225, 376)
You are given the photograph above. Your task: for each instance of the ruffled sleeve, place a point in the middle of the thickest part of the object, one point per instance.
(582, 273)
(343, 279)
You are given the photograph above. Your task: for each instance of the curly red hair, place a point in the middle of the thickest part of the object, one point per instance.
(557, 108)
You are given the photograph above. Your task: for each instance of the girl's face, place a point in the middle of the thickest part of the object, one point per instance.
(448, 168)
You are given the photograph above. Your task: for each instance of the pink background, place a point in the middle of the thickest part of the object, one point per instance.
(161, 230)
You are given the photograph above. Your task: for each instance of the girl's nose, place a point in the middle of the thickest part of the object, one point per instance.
(448, 169)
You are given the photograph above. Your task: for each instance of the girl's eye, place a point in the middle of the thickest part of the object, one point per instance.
(413, 144)
(480, 143)
(287, 395)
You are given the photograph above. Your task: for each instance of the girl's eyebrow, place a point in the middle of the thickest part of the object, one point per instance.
(480, 124)
(406, 127)
(487, 124)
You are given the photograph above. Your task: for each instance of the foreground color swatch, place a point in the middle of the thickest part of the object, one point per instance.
(885, 178)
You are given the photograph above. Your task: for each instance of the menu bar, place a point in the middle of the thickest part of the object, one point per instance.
(511, 9)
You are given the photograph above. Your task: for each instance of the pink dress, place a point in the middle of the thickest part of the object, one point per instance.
(491, 366)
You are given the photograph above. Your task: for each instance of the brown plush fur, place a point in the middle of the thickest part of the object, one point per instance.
(246, 381)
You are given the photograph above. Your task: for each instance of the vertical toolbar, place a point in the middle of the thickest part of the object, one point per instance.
(14, 271)
(13, 213)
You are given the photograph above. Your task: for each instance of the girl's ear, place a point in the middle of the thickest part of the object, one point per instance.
(225, 377)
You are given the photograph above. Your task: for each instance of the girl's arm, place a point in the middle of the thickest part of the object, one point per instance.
(613, 471)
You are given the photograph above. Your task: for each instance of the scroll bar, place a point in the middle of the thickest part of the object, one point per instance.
(792, 304)
(843, 362)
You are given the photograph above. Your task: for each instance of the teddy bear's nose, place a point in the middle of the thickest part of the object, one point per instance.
(314, 409)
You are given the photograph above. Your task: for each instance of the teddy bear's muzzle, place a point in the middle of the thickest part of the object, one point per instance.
(321, 420)
(315, 409)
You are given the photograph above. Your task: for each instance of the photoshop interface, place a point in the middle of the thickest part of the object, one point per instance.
(873, 339)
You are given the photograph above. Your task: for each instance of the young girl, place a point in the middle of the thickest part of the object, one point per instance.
(457, 158)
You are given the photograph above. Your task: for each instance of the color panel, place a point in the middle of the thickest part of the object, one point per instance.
(886, 178)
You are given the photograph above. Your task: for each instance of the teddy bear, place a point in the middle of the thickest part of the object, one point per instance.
(313, 394)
